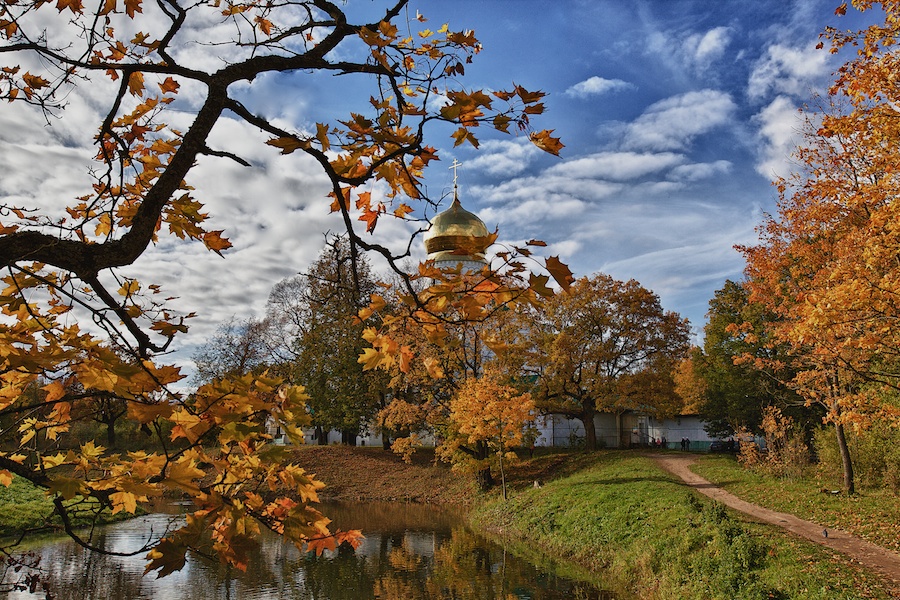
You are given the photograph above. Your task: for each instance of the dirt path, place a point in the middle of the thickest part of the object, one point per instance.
(867, 554)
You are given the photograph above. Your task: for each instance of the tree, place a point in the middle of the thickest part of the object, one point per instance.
(742, 370)
(606, 346)
(237, 348)
(63, 269)
(324, 336)
(487, 418)
(826, 264)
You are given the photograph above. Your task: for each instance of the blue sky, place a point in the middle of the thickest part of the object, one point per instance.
(676, 116)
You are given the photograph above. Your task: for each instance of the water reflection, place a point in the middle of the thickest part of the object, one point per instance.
(410, 552)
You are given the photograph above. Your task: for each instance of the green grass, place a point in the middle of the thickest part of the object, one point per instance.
(638, 532)
(873, 515)
(23, 506)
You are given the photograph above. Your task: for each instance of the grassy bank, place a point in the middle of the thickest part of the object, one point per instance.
(25, 507)
(871, 514)
(637, 531)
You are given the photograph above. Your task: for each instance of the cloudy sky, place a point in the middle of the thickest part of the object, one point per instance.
(676, 116)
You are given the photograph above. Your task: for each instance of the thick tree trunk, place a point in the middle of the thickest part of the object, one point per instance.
(483, 476)
(846, 463)
(590, 431)
(111, 432)
(321, 436)
(484, 479)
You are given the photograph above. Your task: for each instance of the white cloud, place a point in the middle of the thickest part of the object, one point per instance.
(673, 123)
(617, 166)
(698, 171)
(596, 86)
(779, 126)
(787, 70)
(502, 157)
(693, 52)
(701, 50)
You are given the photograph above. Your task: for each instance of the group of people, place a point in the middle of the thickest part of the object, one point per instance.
(661, 443)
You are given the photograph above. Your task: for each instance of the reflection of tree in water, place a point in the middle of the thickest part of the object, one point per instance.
(465, 566)
(406, 561)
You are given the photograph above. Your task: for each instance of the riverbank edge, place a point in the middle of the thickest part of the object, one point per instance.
(620, 522)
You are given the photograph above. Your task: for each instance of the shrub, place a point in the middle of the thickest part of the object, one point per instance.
(875, 453)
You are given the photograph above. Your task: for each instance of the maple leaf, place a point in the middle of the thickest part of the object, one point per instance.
(560, 272)
(132, 7)
(215, 242)
(265, 25)
(167, 557)
(464, 135)
(322, 136)
(55, 391)
(547, 143)
(34, 82)
(5, 478)
(129, 288)
(538, 283)
(136, 84)
(74, 5)
(288, 144)
(184, 475)
(123, 501)
(371, 359)
(67, 487)
(169, 86)
(401, 211)
(370, 217)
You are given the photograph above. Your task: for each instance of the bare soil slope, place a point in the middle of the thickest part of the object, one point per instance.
(374, 474)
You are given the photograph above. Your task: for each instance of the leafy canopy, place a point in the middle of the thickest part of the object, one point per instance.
(78, 324)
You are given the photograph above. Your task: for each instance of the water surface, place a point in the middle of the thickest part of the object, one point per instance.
(410, 552)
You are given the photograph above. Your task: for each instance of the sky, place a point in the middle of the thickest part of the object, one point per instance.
(676, 116)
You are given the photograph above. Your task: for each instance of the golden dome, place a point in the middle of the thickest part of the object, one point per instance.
(457, 236)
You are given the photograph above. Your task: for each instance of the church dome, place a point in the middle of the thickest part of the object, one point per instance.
(457, 236)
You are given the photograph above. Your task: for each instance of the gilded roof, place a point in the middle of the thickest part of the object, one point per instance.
(456, 235)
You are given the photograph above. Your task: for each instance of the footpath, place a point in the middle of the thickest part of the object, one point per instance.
(867, 554)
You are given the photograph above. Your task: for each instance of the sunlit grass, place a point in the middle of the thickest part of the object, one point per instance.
(871, 514)
(644, 534)
(24, 506)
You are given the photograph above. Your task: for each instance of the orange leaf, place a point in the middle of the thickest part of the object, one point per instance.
(402, 210)
(371, 219)
(132, 7)
(74, 5)
(136, 84)
(364, 200)
(215, 242)
(560, 272)
(288, 144)
(169, 86)
(547, 143)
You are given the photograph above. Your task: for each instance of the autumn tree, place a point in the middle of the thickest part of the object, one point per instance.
(487, 421)
(606, 346)
(76, 315)
(826, 263)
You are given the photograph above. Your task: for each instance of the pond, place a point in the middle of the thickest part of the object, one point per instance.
(410, 552)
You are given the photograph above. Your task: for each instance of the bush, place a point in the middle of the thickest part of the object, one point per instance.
(786, 455)
(875, 453)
